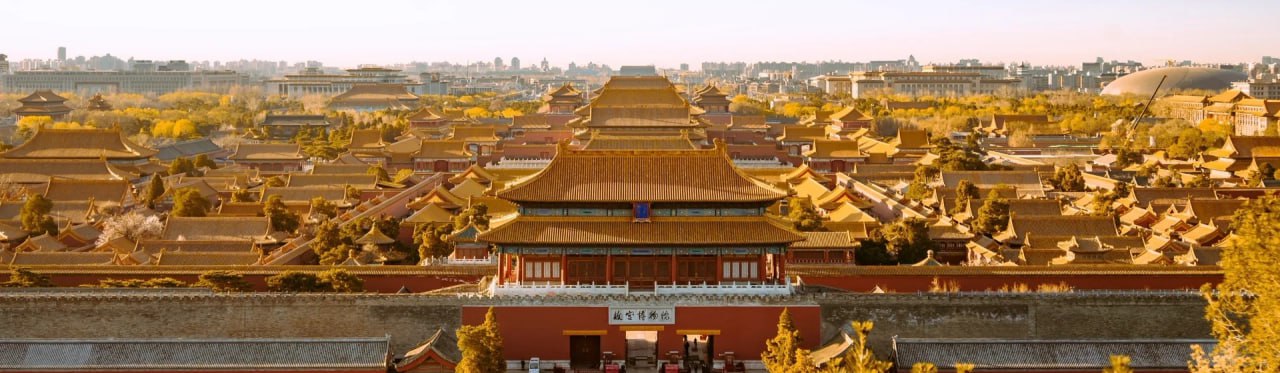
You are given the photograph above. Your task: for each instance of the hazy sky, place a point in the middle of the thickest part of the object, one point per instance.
(662, 32)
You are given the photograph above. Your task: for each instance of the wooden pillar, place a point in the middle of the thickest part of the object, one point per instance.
(672, 270)
(782, 271)
(608, 268)
(520, 269)
(502, 268)
(564, 268)
(719, 269)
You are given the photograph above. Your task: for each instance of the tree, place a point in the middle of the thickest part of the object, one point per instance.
(35, 216)
(340, 281)
(322, 207)
(993, 216)
(481, 347)
(476, 214)
(189, 202)
(282, 219)
(780, 351)
(873, 252)
(924, 367)
(859, 358)
(203, 161)
(908, 240)
(1119, 364)
(133, 226)
(803, 215)
(1068, 179)
(919, 188)
(223, 281)
(432, 242)
(295, 282)
(964, 368)
(155, 190)
(24, 278)
(380, 172)
(276, 181)
(965, 191)
(328, 244)
(1245, 307)
(242, 195)
(182, 166)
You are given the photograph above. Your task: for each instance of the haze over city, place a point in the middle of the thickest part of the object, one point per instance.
(665, 32)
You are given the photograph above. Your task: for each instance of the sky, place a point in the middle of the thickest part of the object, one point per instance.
(642, 32)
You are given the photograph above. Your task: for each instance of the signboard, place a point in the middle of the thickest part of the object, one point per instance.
(642, 315)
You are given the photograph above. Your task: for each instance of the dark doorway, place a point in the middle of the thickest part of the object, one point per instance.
(642, 349)
(440, 166)
(584, 352)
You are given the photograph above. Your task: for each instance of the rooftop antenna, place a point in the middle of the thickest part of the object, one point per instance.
(1133, 127)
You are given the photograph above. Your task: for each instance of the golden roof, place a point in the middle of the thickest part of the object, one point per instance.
(28, 171)
(442, 149)
(622, 231)
(250, 152)
(87, 143)
(825, 240)
(638, 101)
(641, 176)
(601, 141)
(475, 134)
(850, 114)
(375, 237)
(215, 228)
(834, 149)
(431, 213)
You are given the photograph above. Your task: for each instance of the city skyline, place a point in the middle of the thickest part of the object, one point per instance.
(665, 33)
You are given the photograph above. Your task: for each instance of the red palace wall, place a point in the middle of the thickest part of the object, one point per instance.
(978, 282)
(531, 331)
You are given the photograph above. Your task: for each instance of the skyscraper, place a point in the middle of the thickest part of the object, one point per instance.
(62, 53)
(497, 63)
(515, 63)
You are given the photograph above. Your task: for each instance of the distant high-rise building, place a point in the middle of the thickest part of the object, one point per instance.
(62, 53)
(497, 63)
(515, 63)
(545, 65)
(684, 67)
(4, 64)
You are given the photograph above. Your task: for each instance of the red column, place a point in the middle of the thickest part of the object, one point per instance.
(672, 270)
(608, 268)
(761, 275)
(564, 268)
(520, 269)
(782, 271)
(502, 268)
(719, 269)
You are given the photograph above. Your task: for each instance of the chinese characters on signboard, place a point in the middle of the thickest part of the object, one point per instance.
(642, 315)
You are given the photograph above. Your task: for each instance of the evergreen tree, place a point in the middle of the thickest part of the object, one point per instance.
(25, 278)
(322, 207)
(35, 216)
(919, 187)
(1245, 307)
(328, 244)
(282, 219)
(1068, 179)
(993, 216)
(432, 242)
(965, 191)
(276, 181)
(780, 351)
(803, 215)
(203, 161)
(189, 202)
(223, 281)
(340, 281)
(182, 166)
(242, 195)
(155, 191)
(907, 240)
(477, 214)
(481, 347)
(295, 282)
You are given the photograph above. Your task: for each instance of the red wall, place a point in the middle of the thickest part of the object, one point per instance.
(376, 283)
(531, 331)
(971, 282)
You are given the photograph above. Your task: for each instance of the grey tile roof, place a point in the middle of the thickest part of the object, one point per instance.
(178, 354)
(1045, 354)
